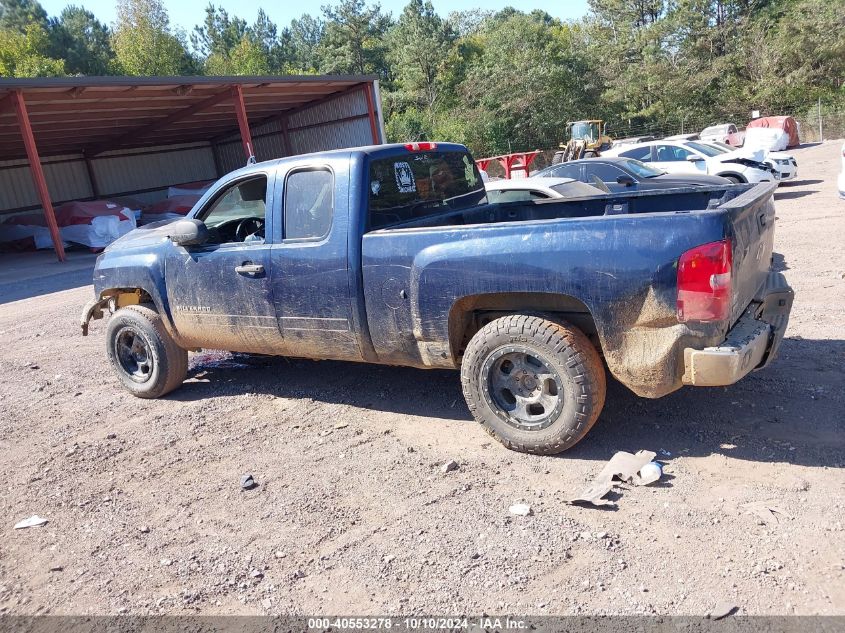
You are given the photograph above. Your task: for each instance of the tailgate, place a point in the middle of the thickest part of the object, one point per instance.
(751, 228)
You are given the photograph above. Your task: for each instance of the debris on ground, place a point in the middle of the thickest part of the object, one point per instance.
(248, 482)
(650, 473)
(520, 509)
(33, 521)
(623, 467)
(449, 466)
(722, 609)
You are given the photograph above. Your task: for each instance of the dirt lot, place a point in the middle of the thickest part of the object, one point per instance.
(353, 513)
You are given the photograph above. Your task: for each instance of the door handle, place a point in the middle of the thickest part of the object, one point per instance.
(249, 269)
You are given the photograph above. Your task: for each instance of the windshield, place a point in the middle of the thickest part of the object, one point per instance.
(714, 130)
(584, 130)
(419, 184)
(707, 150)
(640, 168)
(576, 189)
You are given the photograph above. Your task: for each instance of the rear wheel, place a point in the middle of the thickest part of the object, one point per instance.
(535, 385)
(145, 357)
(735, 179)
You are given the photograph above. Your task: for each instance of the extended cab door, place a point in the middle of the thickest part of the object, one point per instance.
(311, 276)
(220, 292)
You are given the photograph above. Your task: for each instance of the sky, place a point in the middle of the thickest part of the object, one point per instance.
(188, 13)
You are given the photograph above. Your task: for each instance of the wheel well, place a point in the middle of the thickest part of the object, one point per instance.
(731, 174)
(469, 314)
(127, 296)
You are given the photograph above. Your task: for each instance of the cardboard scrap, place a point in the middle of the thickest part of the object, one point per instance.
(33, 521)
(623, 467)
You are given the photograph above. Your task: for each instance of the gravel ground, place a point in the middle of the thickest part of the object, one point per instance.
(353, 513)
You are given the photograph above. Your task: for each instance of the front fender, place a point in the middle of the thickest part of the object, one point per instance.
(130, 270)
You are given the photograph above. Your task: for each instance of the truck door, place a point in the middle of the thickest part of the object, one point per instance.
(311, 285)
(220, 292)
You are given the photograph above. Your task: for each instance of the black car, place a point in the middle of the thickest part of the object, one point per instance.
(626, 174)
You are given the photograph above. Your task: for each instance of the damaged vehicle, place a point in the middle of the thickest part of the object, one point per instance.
(391, 254)
(784, 163)
(690, 157)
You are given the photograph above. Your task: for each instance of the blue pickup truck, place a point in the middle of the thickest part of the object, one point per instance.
(391, 254)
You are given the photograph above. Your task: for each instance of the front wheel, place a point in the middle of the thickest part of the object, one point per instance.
(535, 385)
(736, 180)
(143, 354)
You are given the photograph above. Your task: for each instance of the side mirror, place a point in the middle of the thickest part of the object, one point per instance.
(694, 159)
(188, 232)
(626, 180)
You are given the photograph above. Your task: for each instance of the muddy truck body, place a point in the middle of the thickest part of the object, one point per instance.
(391, 254)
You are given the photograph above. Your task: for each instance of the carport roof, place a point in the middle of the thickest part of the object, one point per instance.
(92, 115)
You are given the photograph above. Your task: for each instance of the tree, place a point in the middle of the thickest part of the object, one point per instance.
(17, 15)
(82, 40)
(25, 54)
(304, 37)
(247, 58)
(523, 83)
(144, 43)
(353, 41)
(419, 46)
(219, 34)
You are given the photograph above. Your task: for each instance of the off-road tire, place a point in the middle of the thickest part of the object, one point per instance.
(168, 363)
(567, 351)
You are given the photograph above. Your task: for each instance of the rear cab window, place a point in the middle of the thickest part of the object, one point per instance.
(418, 184)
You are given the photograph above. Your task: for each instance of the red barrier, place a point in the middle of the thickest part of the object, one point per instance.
(517, 160)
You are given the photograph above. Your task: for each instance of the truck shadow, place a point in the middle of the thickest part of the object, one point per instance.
(789, 412)
(791, 195)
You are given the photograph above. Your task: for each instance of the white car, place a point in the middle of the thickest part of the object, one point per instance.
(684, 157)
(785, 163)
(841, 182)
(718, 133)
(525, 189)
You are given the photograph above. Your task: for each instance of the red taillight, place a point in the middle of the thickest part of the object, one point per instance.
(420, 147)
(704, 283)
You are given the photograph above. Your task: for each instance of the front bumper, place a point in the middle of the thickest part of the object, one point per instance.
(751, 344)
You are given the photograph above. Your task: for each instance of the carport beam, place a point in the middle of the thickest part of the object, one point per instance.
(243, 121)
(38, 172)
(371, 111)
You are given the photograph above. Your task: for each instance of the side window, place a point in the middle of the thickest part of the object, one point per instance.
(669, 153)
(238, 213)
(640, 153)
(514, 195)
(309, 203)
(567, 171)
(604, 172)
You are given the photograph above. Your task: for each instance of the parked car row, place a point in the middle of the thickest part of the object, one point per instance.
(678, 157)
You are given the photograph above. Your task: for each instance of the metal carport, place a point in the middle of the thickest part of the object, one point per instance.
(90, 137)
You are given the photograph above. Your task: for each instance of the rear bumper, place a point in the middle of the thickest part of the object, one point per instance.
(751, 344)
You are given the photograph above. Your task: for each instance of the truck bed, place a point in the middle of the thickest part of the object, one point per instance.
(679, 200)
(607, 262)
